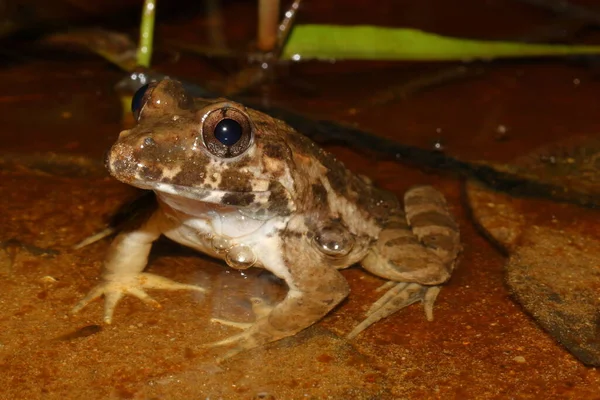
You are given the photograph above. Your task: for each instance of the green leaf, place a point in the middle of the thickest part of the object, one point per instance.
(380, 43)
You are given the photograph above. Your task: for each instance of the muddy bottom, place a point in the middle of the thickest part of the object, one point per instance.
(481, 344)
(478, 343)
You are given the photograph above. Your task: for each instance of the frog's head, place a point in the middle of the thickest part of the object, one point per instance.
(214, 151)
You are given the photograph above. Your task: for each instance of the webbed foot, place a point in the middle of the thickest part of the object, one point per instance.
(314, 288)
(401, 294)
(114, 287)
(260, 308)
(254, 333)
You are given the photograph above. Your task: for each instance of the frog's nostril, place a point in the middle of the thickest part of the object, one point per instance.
(149, 142)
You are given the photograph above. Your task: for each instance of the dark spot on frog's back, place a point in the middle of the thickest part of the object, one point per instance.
(276, 151)
(396, 224)
(402, 241)
(337, 174)
(433, 218)
(319, 193)
(238, 199)
(287, 234)
(339, 179)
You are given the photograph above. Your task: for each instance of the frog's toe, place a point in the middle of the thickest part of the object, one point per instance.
(93, 294)
(401, 295)
(260, 308)
(151, 281)
(113, 292)
(428, 300)
(233, 324)
(115, 287)
(111, 299)
(254, 335)
(231, 339)
(240, 342)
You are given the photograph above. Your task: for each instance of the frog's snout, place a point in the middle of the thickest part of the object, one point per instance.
(120, 161)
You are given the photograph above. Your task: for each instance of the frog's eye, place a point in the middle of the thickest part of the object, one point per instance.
(137, 101)
(227, 132)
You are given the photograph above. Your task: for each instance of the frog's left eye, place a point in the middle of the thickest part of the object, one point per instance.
(137, 101)
(227, 132)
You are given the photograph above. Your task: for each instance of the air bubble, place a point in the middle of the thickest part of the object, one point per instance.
(240, 257)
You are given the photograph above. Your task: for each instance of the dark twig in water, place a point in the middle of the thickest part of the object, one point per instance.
(13, 246)
(498, 177)
(421, 83)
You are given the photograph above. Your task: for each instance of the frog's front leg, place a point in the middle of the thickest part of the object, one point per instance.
(122, 273)
(417, 252)
(314, 289)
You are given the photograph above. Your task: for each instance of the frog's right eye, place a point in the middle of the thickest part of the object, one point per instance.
(137, 101)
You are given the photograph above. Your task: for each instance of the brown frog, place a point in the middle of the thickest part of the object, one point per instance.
(241, 186)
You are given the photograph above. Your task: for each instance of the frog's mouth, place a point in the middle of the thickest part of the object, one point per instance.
(196, 201)
(200, 202)
(250, 199)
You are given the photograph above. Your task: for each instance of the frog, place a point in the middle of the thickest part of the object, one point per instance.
(241, 186)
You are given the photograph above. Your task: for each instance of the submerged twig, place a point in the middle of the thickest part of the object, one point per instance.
(497, 176)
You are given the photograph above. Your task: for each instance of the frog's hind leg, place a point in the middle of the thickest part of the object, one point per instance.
(401, 295)
(416, 253)
(420, 246)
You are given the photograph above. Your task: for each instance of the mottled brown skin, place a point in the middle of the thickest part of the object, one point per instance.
(277, 196)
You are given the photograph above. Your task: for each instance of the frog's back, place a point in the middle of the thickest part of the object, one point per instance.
(325, 187)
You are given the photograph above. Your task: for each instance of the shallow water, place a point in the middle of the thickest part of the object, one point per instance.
(481, 343)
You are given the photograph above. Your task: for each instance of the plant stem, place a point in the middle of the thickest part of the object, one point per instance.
(285, 27)
(144, 53)
(268, 21)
